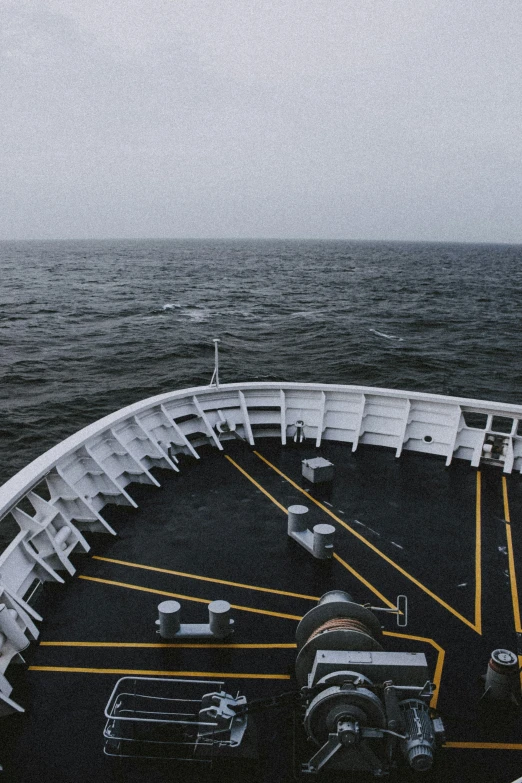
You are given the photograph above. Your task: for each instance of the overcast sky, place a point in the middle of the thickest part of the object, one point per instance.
(358, 119)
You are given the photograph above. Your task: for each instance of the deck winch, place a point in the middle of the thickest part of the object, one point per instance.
(363, 706)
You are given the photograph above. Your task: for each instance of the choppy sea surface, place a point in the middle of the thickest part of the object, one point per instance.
(87, 327)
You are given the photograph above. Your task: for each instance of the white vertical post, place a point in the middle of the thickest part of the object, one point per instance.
(297, 519)
(169, 619)
(246, 420)
(216, 362)
(219, 620)
(283, 417)
(323, 541)
(320, 423)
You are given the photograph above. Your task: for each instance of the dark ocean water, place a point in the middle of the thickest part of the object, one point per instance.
(88, 327)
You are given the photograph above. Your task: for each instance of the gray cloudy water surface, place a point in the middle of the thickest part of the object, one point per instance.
(89, 327)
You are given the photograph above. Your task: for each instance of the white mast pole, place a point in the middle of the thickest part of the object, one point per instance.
(215, 376)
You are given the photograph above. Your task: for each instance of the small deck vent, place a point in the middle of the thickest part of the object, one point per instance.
(502, 680)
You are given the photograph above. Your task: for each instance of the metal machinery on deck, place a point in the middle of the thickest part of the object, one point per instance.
(160, 718)
(364, 707)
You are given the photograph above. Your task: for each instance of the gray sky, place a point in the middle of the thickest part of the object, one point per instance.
(363, 119)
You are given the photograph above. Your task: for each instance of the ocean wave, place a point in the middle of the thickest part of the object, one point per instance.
(196, 314)
(386, 336)
(313, 315)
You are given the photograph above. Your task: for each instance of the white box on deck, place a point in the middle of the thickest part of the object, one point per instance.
(317, 470)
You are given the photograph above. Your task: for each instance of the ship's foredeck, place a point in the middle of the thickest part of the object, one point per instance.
(448, 538)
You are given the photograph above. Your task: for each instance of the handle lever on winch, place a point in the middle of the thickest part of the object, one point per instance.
(401, 610)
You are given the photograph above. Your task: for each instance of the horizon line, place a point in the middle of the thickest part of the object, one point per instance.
(259, 239)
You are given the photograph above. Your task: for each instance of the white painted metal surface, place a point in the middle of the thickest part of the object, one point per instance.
(93, 467)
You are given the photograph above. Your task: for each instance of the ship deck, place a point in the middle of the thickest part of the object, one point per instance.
(450, 538)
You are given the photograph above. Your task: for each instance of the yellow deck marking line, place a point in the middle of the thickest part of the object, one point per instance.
(364, 581)
(370, 545)
(343, 563)
(186, 597)
(512, 572)
(441, 654)
(506, 502)
(254, 482)
(484, 745)
(349, 568)
(478, 556)
(154, 673)
(192, 646)
(205, 578)
(511, 560)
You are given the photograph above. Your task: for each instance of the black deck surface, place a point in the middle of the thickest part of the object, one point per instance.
(437, 534)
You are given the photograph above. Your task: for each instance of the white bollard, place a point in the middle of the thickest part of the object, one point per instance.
(10, 628)
(297, 519)
(61, 537)
(219, 618)
(323, 541)
(169, 619)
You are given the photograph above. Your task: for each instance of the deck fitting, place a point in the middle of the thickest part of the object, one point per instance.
(220, 623)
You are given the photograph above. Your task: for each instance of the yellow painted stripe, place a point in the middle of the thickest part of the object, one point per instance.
(254, 482)
(478, 556)
(484, 745)
(155, 673)
(511, 560)
(371, 546)
(153, 645)
(513, 580)
(186, 597)
(506, 502)
(364, 581)
(441, 654)
(205, 578)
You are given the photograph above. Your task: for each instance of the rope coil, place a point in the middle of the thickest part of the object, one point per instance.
(342, 624)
